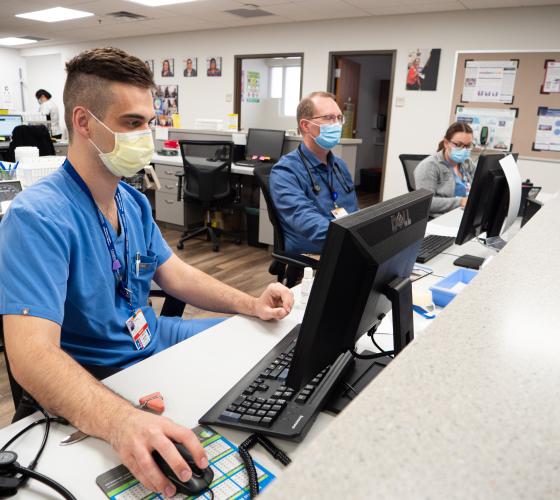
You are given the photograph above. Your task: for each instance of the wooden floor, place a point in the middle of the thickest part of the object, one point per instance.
(241, 266)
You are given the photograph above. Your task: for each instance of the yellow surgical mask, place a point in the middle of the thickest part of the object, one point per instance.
(132, 151)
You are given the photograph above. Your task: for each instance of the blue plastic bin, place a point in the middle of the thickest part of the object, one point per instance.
(442, 293)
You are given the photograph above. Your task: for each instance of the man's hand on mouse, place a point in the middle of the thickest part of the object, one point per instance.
(275, 302)
(136, 434)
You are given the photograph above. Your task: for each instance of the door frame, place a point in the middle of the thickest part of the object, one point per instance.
(330, 88)
(237, 65)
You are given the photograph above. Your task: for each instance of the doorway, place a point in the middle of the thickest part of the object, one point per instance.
(267, 90)
(362, 82)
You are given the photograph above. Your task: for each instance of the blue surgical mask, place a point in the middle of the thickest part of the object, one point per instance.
(459, 155)
(329, 135)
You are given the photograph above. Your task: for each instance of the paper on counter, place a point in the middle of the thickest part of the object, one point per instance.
(514, 182)
(441, 230)
(162, 133)
(239, 139)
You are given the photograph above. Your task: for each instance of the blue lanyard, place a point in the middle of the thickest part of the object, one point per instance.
(121, 279)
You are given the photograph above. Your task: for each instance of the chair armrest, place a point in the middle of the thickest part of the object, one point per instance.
(295, 259)
(179, 176)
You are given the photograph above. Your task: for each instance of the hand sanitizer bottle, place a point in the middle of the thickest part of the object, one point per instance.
(306, 284)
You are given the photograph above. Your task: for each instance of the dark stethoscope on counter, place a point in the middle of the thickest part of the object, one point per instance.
(315, 185)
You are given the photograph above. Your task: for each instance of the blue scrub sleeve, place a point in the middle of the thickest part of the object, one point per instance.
(295, 207)
(158, 245)
(34, 264)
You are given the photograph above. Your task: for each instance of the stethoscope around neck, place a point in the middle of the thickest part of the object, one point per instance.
(314, 184)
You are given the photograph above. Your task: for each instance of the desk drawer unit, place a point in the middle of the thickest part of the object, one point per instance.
(168, 209)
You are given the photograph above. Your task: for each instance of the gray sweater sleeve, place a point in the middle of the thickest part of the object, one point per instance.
(427, 175)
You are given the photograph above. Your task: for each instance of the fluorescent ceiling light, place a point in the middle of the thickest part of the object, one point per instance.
(12, 40)
(55, 14)
(159, 3)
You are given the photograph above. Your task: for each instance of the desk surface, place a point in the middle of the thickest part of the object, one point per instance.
(469, 409)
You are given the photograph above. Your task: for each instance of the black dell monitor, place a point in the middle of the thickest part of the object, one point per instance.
(488, 203)
(364, 272)
(265, 142)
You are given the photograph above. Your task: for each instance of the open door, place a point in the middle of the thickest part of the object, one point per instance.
(347, 90)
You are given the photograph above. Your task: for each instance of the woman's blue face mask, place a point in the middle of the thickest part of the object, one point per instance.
(459, 155)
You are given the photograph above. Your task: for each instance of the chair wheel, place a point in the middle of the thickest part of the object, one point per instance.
(215, 248)
(180, 246)
(237, 242)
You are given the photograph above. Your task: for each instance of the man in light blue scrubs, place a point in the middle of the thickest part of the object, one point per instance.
(310, 186)
(78, 251)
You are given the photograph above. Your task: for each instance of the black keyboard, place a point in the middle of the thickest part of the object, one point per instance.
(433, 245)
(253, 163)
(261, 402)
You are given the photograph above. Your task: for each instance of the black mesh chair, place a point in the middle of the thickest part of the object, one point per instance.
(30, 135)
(206, 180)
(409, 163)
(24, 403)
(286, 266)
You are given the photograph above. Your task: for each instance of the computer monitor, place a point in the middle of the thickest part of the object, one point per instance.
(8, 123)
(489, 201)
(364, 272)
(264, 142)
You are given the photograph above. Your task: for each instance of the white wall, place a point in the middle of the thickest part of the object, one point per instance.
(415, 127)
(10, 64)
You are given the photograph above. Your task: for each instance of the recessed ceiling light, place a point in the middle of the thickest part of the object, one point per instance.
(12, 40)
(55, 14)
(159, 3)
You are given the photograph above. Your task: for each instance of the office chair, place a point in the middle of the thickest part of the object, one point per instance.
(30, 135)
(286, 266)
(206, 180)
(23, 401)
(409, 163)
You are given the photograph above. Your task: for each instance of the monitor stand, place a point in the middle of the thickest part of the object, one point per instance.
(495, 243)
(368, 365)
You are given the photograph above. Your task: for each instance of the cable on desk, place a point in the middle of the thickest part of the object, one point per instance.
(270, 447)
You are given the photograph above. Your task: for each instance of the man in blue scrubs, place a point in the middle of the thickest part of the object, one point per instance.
(310, 186)
(78, 251)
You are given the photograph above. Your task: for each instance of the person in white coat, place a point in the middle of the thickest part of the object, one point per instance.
(49, 108)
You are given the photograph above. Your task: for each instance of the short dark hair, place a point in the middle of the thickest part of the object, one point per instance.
(90, 72)
(452, 130)
(306, 107)
(42, 93)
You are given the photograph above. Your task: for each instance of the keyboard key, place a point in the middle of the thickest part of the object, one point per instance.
(246, 404)
(309, 387)
(230, 416)
(266, 422)
(277, 395)
(305, 392)
(276, 407)
(261, 413)
(301, 399)
(251, 411)
(272, 414)
(252, 399)
(266, 407)
(256, 406)
(250, 419)
(231, 408)
(262, 387)
(281, 402)
(262, 401)
(248, 391)
(284, 374)
(238, 401)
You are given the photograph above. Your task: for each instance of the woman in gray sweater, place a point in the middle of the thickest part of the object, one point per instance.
(449, 172)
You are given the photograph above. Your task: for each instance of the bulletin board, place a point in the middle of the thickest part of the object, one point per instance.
(529, 98)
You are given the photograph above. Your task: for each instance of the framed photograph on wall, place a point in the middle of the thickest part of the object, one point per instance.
(213, 66)
(191, 67)
(422, 69)
(166, 104)
(150, 64)
(167, 67)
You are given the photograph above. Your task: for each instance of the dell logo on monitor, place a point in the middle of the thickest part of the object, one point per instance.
(400, 220)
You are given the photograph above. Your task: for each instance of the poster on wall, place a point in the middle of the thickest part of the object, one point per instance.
(497, 123)
(552, 77)
(489, 81)
(422, 69)
(547, 137)
(166, 104)
(214, 66)
(253, 86)
(167, 67)
(150, 64)
(191, 67)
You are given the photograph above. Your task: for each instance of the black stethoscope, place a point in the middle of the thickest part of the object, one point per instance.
(314, 184)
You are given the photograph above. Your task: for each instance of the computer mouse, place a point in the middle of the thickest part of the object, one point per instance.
(200, 480)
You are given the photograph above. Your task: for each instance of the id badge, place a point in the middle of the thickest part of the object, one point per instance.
(339, 212)
(138, 329)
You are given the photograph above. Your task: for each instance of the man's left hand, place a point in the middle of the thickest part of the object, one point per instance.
(275, 302)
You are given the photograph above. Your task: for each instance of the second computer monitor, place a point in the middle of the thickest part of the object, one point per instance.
(265, 142)
(488, 202)
(363, 272)
(8, 123)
